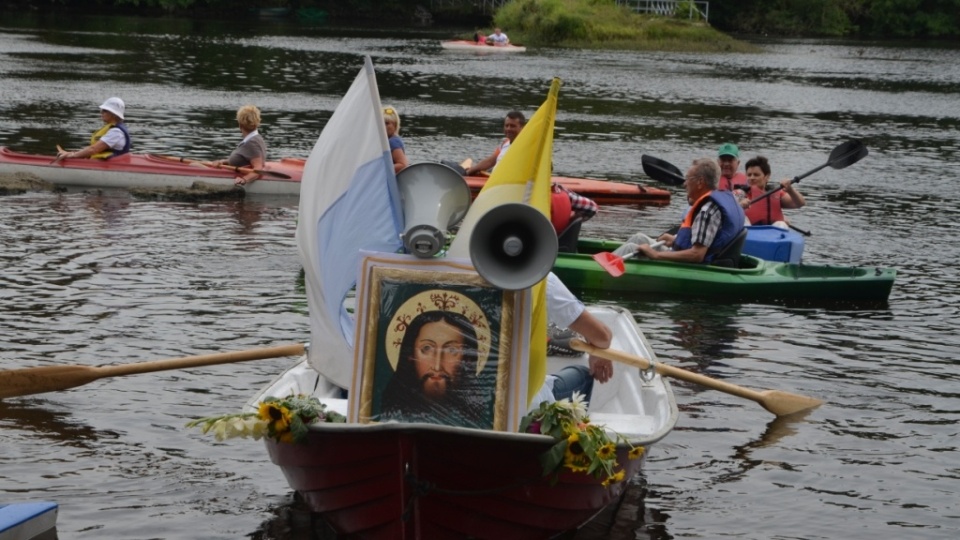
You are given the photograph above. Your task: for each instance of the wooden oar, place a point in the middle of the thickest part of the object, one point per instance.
(841, 157)
(613, 263)
(243, 170)
(778, 402)
(22, 382)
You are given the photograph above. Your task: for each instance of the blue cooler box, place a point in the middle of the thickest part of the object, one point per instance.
(774, 244)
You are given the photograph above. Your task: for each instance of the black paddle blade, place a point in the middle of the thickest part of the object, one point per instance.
(847, 154)
(662, 171)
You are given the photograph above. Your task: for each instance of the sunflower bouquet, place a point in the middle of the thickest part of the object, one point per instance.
(281, 419)
(581, 446)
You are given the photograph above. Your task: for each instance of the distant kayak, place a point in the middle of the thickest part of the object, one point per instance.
(473, 46)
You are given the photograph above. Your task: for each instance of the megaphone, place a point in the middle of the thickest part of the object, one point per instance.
(513, 246)
(434, 198)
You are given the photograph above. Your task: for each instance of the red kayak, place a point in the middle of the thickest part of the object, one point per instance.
(148, 171)
(279, 177)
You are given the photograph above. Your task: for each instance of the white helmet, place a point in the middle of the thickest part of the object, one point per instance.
(114, 105)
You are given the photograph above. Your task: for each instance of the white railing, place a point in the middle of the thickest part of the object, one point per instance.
(669, 8)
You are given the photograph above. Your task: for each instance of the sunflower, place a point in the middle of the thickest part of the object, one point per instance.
(615, 478)
(635, 452)
(607, 451)
(276, 414)
(580, 446)
(282, 419)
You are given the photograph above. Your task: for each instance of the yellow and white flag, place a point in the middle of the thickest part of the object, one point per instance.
(522, 176)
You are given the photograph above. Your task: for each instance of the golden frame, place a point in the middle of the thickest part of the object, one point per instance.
(392, 292)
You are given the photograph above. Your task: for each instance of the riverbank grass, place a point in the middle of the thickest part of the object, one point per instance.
(601, 24)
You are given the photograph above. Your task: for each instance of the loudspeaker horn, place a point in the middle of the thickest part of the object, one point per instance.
(513, 246)
(434, 198)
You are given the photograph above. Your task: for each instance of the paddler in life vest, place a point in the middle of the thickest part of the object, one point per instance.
(728, 158)
(769, 210)
(712, 222)
(110, 140)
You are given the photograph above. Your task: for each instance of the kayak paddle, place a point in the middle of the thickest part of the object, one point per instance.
(59, 155)
(662, 171)
(842, 157)
(613, 263)
(243, 170)
(778, 402)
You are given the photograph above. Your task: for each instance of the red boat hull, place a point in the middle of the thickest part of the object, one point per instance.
(147, 171)
(413, 482)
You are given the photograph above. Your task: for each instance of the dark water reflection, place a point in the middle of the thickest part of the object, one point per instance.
(99, 277)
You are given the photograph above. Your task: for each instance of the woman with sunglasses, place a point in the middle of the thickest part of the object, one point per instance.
(392, 121)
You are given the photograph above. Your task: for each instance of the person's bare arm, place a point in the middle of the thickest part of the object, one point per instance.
(791, 196)
(399, 160)
(695, 254)
(483, 164)
(94, 148)
(599, 335)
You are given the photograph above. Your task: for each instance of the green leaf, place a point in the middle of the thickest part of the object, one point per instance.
(551, 459)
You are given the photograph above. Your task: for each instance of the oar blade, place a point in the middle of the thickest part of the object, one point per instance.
(847, 154)
(613, 264)
(662, 171)
(25, 382)
(784, 403)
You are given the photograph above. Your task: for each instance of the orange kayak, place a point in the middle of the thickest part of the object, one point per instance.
(603, 192)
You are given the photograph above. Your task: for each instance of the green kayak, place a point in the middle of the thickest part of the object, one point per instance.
(755, 279)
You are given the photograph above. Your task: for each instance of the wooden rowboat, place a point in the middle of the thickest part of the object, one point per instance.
(754, 280)
(403, 481)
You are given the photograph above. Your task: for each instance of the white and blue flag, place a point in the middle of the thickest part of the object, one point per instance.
(348, 202)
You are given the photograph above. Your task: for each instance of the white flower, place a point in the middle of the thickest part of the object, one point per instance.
(578, 406)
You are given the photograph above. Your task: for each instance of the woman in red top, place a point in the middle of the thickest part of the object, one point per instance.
(769, 210)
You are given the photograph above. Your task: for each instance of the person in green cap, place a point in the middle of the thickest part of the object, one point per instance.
(728, 158)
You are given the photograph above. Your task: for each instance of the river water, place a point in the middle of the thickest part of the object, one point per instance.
(101, 278)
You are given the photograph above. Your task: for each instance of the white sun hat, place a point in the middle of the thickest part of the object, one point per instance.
(114, 105)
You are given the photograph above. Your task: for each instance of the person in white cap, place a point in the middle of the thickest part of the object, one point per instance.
(110, 140)
(252, 150)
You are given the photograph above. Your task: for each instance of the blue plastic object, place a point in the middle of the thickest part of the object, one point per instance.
(774, 244)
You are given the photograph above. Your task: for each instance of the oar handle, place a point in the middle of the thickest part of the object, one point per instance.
(201, 360)
(665, 370)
